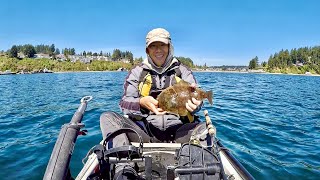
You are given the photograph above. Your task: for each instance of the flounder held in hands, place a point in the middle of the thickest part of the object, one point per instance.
(174, 98)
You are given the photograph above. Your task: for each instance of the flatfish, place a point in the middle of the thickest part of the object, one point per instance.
(174, 98)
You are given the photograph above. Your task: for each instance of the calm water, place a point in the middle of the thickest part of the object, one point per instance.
(271, 123)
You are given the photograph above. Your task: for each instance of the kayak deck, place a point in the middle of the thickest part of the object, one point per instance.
(163, 158)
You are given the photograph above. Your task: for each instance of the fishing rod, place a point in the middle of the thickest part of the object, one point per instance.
(58, 166)
(211, 130)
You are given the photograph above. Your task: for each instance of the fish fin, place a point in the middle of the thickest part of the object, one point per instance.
(190, 117)
(209, 97)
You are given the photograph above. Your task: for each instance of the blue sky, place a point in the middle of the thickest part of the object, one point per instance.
(224, 32)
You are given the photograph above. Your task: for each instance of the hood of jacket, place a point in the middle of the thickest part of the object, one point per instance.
(167, 64)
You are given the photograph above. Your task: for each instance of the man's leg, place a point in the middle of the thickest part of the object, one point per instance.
(184, 133)
(111, 121)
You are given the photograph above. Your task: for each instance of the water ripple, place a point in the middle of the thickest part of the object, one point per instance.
(271, 123)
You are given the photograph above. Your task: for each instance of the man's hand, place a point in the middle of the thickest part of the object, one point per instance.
(151, 104)
(193, 104)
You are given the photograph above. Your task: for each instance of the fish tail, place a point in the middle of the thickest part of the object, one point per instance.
(209, 97)
(190, 117)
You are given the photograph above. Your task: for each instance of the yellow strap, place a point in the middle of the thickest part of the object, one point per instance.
(145, 86)
(177, 78)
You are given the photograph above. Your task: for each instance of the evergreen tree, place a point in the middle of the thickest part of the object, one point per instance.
(13, 51)
(72, 51)
(116, 55)
(186, 61)
(254, 63)
(52, 48)
(264, 64)
(66, 51)
(29, 50)
(57, 51)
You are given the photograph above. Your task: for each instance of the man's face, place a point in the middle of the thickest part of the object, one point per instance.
(158, 51)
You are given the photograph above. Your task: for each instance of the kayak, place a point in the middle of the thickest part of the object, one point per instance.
(189, 160)
(163, 156)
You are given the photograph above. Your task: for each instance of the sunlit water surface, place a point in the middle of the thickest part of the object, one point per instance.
(271, 123)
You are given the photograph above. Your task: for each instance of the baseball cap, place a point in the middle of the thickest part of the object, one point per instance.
(158, 34)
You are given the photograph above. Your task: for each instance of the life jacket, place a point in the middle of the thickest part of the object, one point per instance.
(147, 82)
(147, 85)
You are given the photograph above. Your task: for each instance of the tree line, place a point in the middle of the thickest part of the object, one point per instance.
(186, 61)
(34, 65)
(118, 55)
(300, 61)
(14, 63)
(29, 51)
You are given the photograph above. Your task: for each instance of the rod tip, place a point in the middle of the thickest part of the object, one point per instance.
(86, 99)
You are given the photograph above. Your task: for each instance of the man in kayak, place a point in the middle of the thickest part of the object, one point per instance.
(141, 87)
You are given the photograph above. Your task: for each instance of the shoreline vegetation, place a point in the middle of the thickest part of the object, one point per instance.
(29, 59)
(204, 71)
(45, 65)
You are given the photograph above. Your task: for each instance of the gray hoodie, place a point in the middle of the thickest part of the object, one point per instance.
(129, 103)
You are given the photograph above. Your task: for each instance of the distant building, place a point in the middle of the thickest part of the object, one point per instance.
(125, 60)
(61, 57)
(21, 55)
(299, 64)
(41, 55)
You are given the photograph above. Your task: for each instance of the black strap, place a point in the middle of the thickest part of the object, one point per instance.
(104, 166)
(154, 83)
(178, 72)
(166, 82)
(167, 79)
(143, 75)
(121, 131)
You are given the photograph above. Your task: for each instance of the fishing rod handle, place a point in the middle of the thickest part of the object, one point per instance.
(211, 128)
